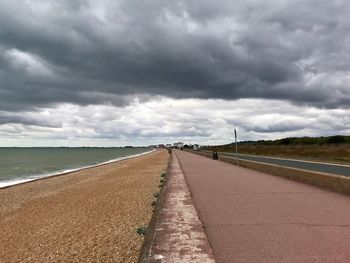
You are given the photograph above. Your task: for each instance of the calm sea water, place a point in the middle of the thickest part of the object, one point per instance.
(24, 164)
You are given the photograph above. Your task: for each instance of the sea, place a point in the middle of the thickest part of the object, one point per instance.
(19, 165)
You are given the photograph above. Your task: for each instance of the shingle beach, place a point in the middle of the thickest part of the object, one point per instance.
(86, 216)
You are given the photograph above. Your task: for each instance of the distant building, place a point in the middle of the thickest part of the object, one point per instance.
(168, 145)
(179, 145)
(196, 147)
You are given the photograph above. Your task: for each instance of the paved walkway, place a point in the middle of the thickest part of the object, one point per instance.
(179, 235)
(255, 217)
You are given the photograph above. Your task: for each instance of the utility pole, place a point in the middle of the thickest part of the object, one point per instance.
(236, 147)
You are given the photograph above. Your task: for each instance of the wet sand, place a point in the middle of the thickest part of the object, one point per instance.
(86, 216)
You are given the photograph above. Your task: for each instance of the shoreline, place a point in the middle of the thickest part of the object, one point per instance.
(90, 215)
(5, 185)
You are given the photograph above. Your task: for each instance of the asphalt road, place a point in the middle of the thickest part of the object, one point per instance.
(306, 165)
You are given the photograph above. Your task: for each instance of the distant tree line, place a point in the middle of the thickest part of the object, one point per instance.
(336, 139)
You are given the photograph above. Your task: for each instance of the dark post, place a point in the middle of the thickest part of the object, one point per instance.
(236, 147)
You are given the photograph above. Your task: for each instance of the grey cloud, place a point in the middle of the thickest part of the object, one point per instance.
(279, 127)
(27, 120)
(107, 52)
(169, 120)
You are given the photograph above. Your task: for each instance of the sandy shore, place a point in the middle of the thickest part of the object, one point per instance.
(85, 216)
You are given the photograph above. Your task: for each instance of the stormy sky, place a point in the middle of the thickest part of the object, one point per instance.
(114, 72)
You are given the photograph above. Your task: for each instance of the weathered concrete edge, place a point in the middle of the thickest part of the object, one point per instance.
(147, 242)
(336, 183)
(179, 234)
(199, 218)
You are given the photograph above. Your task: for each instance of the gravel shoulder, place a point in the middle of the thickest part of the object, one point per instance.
(85, 216)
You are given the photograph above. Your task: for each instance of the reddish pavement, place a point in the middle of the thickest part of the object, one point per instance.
(179, 235)
(250, 216)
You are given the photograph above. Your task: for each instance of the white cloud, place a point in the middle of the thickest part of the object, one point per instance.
(165, 120)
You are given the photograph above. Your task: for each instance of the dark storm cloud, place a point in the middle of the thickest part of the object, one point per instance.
(104, 52)
(7, 118)
(278, 127)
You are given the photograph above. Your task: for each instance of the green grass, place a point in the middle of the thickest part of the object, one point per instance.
(307, 148)
(142, 230)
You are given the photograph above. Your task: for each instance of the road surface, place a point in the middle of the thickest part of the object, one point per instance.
(251, 216)
(306, 165)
